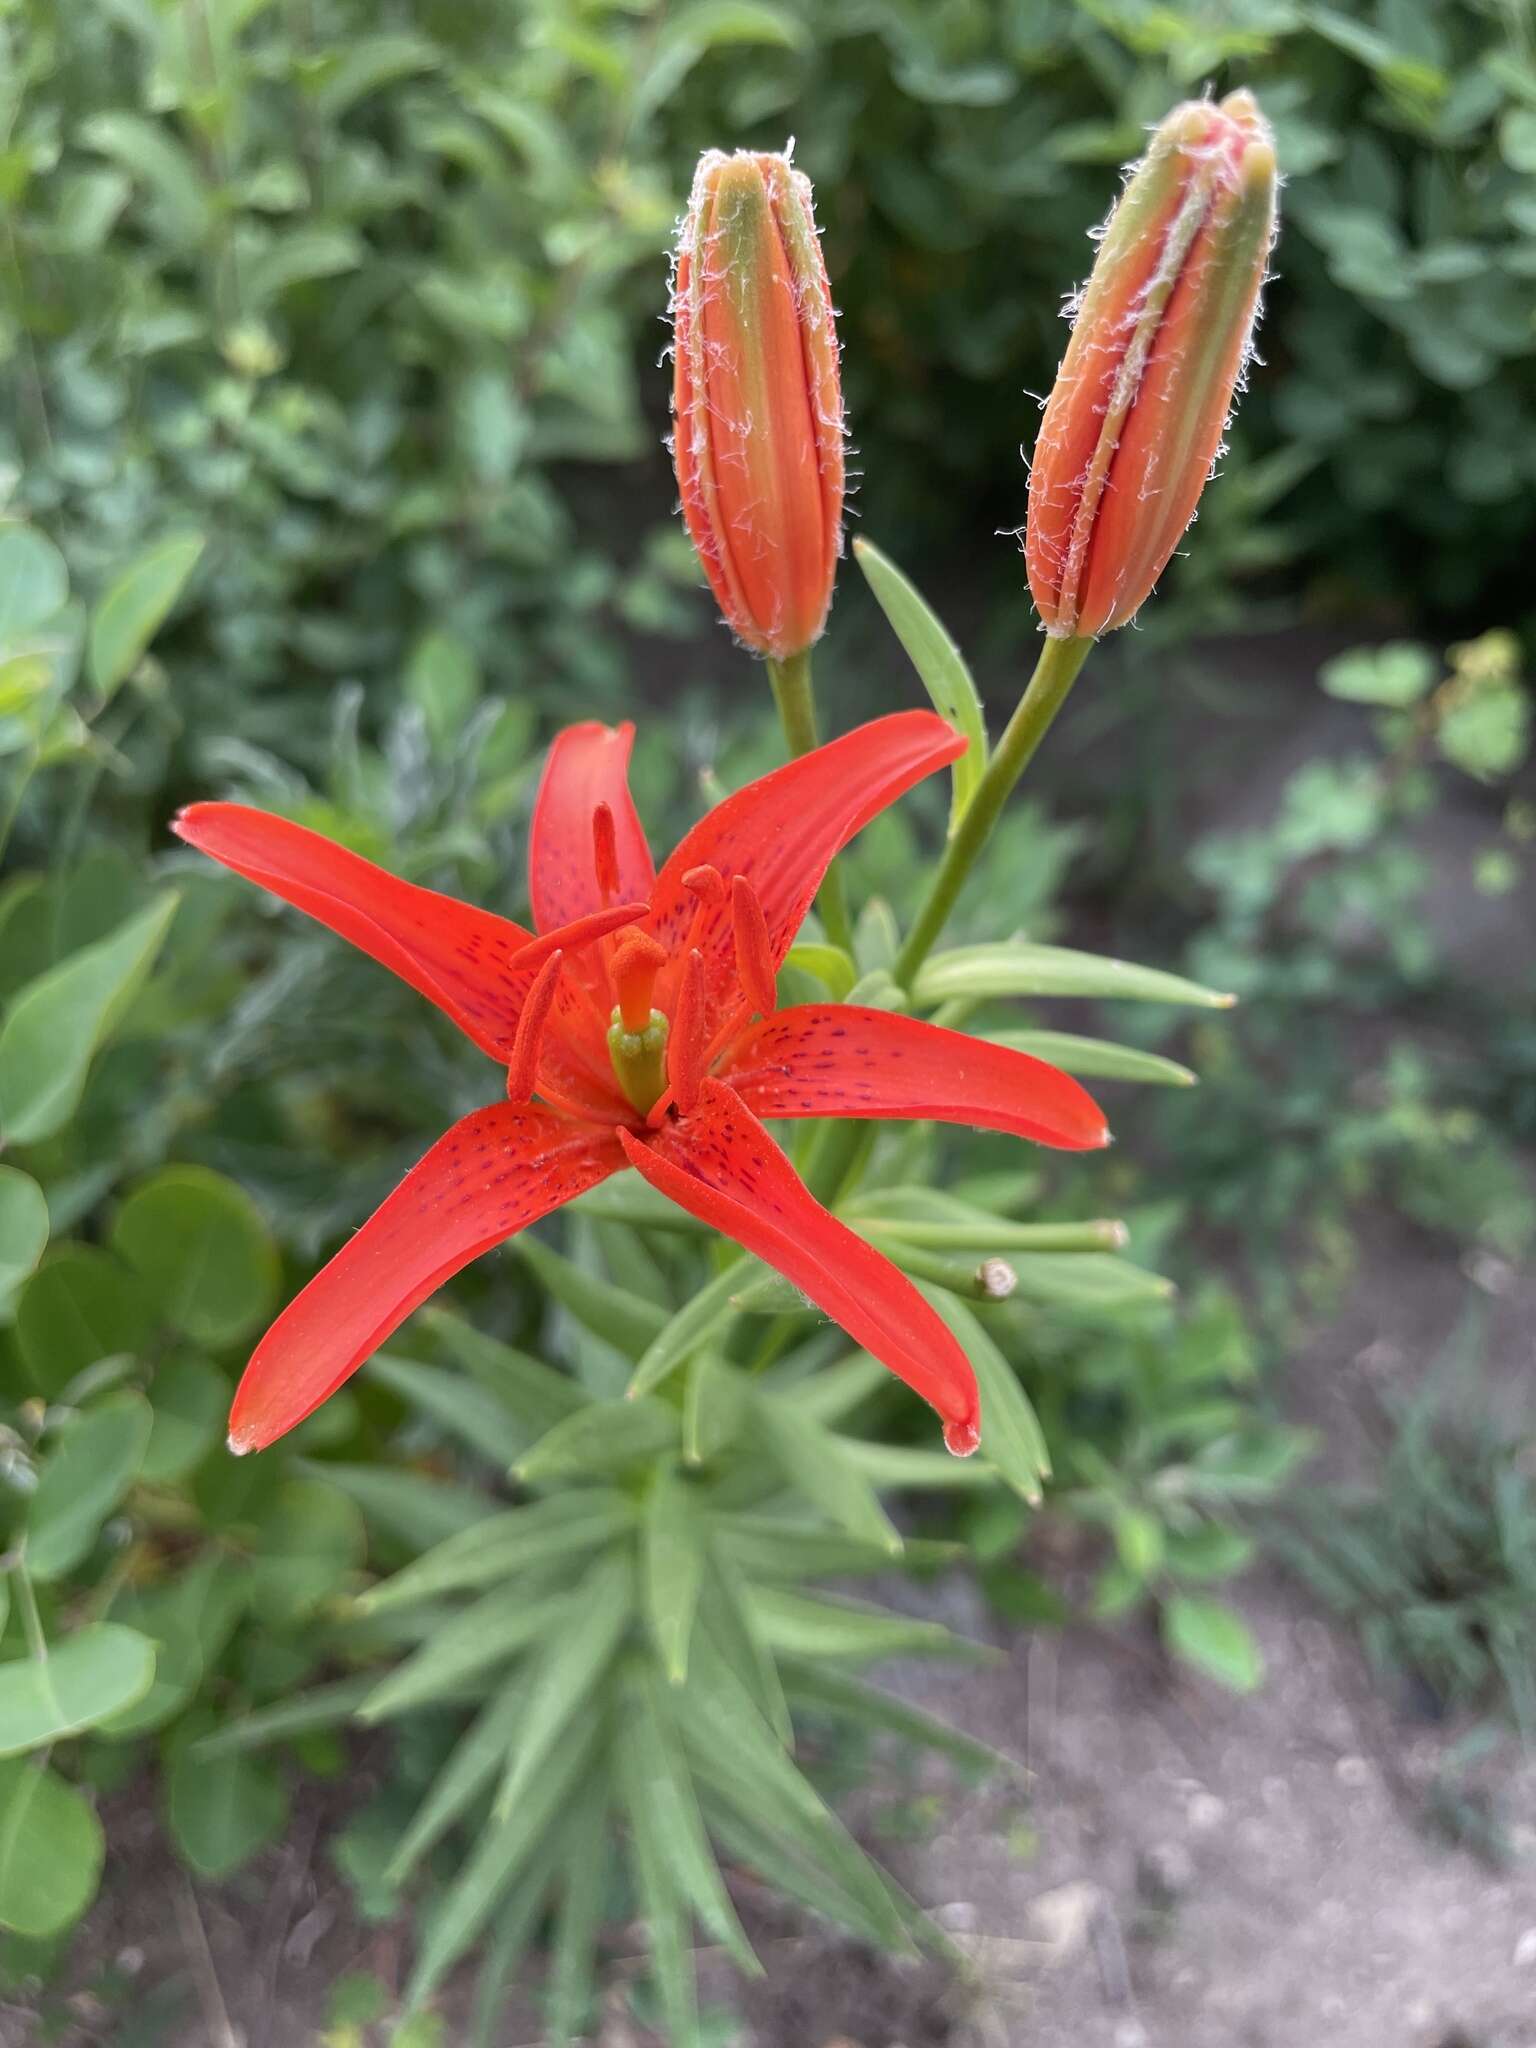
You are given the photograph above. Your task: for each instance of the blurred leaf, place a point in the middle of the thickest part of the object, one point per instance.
(135, 607)
(569, 1670)
(190, 1399)
(1215, 1639)
(34, 583)
(1011, 1437)
(610, 1436)
(203, 1249)
(95, 1672)
(55, 1024)
(51, 1851)
(308, 1541)
(695, 1323)
(220, 1809)
(23, 1228)
(499, 1545)
(1397, 674)
(462, 1410)
(90, 1467)
(811, 1460)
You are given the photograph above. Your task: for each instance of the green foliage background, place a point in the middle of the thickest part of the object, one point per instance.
(331, 475)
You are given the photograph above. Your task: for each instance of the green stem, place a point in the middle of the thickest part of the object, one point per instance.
(31, 1620)
(1055, 673)
(792, 692)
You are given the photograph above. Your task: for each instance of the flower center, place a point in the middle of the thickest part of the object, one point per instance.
(637, 1036)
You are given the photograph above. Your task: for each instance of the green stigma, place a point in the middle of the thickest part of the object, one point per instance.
(640, 1060)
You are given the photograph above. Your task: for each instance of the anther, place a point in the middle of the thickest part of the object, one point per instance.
(754, 955)
(685, 1046)
(605, 853)
(523, 1067)
(636, 964)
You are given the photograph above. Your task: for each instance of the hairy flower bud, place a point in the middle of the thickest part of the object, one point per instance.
(758, 436)
(1159, 340)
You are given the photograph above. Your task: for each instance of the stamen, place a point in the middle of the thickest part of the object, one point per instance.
(709, 888)
(754, 955)
(685, 1046)
(636, 964)
(605, 853)
(523, 1067)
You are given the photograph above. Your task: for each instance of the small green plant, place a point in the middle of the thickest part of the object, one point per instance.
(1433, 1561)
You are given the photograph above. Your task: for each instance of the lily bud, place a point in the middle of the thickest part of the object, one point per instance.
(1159, 340)
(758, 411)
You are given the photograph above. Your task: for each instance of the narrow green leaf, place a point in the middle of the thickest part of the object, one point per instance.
(498, 1545)
(465, 1778)
(727, 1623)
(1087, 1280)
(537, 1395)
(585, 1871)
(135, 607)
(489, 1631)
(1011, 1437)
(55, 1024)
(570, 1668)
(673, 1555)
(694, 1324)
(1096, 1059)
(852, 1699)
(811, 1461)
(506, 1848)
(51, 1851)
(905, 1465)
(92, 1464)
(940, 667)
(804, 1625)
(626, 1321)
(714, 1405)
(324, 1706)
(462, 1410)
(1017, 968)
(408, 1505)
(610, 1436)
(657, 1789)
(766, 1547)
(91, 1674)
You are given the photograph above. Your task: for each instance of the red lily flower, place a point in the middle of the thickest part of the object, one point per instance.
(683, 962)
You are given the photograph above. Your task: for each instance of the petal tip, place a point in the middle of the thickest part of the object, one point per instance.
(241, 1442)
(963, 1438)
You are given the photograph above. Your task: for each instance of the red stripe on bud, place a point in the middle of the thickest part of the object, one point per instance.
(1161, 333)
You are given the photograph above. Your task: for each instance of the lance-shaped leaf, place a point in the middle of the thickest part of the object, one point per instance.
(811, 1461)
(560, 1527)
(1017, 968)
(1096, 1059)
(1012, 1439)
(569, 1669)
(466, 1412)
(627, 1321)
(673, 1554)
(940, 666)
(699, 1319)
(466, 1777)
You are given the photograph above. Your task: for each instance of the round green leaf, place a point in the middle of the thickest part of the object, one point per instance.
(221, 1809)
(202, 1249)
(23, 1227)
(80, 1305)
(34, 583)
(83, 1478)
(51, 1850)
(190, 1398)
(96, 1672)
(135, 607)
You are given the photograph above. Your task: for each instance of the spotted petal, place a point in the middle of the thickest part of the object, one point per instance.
(782, 832)
(588, 765)
(838, 1059)
(721, 1166)
(494, 1172)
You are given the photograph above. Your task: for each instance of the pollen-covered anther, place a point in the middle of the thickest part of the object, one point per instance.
(523, 1067)
(754, 954)
(636, 964)
(605, 853)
